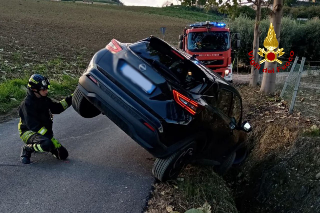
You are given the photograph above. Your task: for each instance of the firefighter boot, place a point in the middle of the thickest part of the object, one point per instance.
(26, 153)
(60, 153)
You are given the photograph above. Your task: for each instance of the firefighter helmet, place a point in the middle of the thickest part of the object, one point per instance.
(38, 82)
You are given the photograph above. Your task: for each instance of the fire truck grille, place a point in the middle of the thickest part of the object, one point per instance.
(213, 62)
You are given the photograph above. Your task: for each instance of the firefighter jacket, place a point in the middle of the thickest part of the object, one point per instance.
(36, 115)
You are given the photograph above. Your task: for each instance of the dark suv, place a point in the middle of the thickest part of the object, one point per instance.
(168, 102)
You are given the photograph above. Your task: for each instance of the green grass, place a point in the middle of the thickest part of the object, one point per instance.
(176, 11)
(314, 131)
(12, 92)
(188, 13)
(101, 1)
(15, 67)
(64, 87)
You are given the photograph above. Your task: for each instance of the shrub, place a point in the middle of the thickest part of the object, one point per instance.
(302, 38)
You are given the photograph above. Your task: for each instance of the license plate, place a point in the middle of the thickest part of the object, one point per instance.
(138, 79)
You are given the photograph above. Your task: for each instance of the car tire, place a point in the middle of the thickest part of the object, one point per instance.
(169, 168)
(226, 164)
(82, 106)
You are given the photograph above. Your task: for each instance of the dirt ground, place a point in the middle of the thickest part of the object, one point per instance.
(281, 173)
(190, 190)
(45, 28)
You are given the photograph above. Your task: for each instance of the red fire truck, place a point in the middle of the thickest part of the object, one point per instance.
(210, 42)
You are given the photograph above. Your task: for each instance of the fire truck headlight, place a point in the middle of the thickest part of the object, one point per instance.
(226, 72)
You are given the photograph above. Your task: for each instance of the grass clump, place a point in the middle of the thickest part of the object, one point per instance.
(11, 94)
(63, 87)
(13, 91)
(201, 186)
(314, 131)
(197, 190)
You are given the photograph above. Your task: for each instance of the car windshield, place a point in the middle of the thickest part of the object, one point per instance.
(208, 41)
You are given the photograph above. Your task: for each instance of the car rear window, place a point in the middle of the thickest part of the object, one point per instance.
(144, 50)
(171, 61)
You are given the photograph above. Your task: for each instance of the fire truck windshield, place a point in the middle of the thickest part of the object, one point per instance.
(208, 41)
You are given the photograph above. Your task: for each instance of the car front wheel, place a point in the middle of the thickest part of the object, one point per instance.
(169, 168)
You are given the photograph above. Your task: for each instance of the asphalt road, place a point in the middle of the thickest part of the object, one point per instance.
(106, 170)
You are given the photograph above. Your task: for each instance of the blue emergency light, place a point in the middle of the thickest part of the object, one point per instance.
(208, 23)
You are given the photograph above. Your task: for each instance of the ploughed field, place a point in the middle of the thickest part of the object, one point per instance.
(45, 29)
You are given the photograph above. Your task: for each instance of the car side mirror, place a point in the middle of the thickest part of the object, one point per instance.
(245, 126)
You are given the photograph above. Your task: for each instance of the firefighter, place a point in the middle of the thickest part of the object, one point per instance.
(35, 126)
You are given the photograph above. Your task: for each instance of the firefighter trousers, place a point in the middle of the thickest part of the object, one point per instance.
(42, 143)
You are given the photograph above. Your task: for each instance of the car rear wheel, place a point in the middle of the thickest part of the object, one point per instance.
(83, 106)
(169, 168)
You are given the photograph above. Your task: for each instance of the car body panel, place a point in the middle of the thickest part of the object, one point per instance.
(152, 117)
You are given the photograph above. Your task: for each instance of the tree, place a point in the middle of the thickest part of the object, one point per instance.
(193, 2)
(231, 7)
(254, 70)
(289, 2)
(269, 79)
(187, 2)
(225, 6)
(246, 11)
(201, 2)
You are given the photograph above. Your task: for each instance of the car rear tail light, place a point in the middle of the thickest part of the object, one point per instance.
(114, 46)
(149, 126)
(188, 104)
